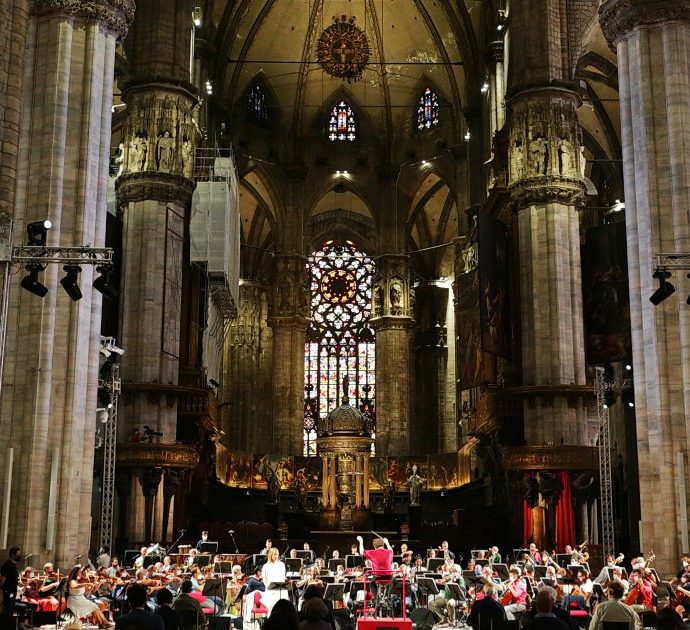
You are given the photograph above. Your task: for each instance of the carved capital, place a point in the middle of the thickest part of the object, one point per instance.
(390, 322)
(182, 456)
(115, 15)
(392, 294)
(150, 479)
(548, 189)
(495, 51)
(153, 186)
(550, 458)
(620, 17)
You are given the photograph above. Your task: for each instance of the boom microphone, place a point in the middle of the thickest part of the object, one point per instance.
(231, 531)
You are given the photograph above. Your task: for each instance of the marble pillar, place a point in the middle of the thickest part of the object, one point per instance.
(547, 190)
(288, 317)
(652, 41)
(392, 320)
(247, 374)
(51, 371)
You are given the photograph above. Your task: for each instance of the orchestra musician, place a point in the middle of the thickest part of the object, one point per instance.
(443, 605)
(447, 554)
(517, 601)
(233, 588)
(494, 556)
(486, 609)
(267, 547)
(204, 538)
(405, 554)
(641, 594)
(79, 604)
(139, 560)
(614, 610)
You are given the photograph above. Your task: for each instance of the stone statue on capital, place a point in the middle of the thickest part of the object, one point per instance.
(415, 482)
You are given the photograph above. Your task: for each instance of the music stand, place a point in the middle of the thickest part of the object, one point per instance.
(469, 576)
(459, 596)
(202, 561)
(518, 553)
(222, 567)
(307, 556)
(539, 571)
(259, 559)
(427, 586)
(502, 570)
(598, 592)
(398, 560)
(352, 561)
(280, 587)
(328, 579)
(209, 546)
(481, 562)
(294, 565)
(563, 559)
(475, 552)
(610, 570)
(129, 557)
(334, 592)
(213, 586)
(334, 562)
(434, 563)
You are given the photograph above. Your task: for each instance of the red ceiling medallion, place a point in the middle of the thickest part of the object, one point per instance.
(343, 50)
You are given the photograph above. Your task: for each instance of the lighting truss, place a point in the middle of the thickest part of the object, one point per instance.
(113, 385)
(665, 262)
(61, 255)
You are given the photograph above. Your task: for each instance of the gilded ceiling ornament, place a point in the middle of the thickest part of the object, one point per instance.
(343, 50)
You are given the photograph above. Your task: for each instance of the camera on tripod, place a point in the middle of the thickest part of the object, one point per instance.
(150, 434)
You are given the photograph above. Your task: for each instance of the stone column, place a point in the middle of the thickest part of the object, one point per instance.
(154, 192)
(289, 316)
(494, 58)
(51, 370)
(392, 321)
(652, 40)
(247, 374)
(546, 187)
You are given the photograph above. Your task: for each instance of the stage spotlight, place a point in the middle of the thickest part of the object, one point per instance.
(31, 282)
(70, 283)
(37, 232)
(102, 283)
(665, 289)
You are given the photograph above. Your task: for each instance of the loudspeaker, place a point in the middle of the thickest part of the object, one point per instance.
(422, 618)
(374, 623)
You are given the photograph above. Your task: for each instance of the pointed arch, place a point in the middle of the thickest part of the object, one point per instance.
(320, 120)
(259, 179)
(318, 203)
(273, 107)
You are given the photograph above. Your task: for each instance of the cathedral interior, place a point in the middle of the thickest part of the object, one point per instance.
(414, 266)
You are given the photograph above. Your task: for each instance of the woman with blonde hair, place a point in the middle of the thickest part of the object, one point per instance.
(273, 572)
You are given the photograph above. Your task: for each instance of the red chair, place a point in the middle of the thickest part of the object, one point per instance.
(257, 607)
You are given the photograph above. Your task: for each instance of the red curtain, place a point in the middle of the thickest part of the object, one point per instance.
(565, 516)
(526, 523)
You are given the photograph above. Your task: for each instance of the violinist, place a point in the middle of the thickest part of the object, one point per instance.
(405, 554)
(517, 602)
(609, 563)
(46, 589)
(114, 569)
(79, 604)
(233, 588)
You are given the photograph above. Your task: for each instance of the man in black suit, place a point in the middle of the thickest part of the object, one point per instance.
(139, 618)
(188, 607)
(171, 618)
(486, 610)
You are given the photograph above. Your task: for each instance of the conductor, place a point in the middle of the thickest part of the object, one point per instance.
(381, 556)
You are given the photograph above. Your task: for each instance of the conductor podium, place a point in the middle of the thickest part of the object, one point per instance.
(373, 623)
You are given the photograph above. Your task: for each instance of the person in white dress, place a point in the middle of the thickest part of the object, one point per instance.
(273, 571)
(77, 601)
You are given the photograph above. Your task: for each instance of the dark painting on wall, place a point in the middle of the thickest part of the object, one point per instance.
(493, 285)
(606, 300)
(468, 348)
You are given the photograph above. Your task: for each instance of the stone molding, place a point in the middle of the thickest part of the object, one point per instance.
(495, 51)
(153, 186)
(550, 457)
(548, 189)
(346, 445)
(182, 456)
(117, 15)
(392, 322)
(620, 17)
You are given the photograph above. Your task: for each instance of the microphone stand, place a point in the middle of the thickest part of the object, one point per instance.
(234, 542)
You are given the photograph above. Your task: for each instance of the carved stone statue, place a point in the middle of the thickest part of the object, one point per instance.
(415, 482)
(137, 154)
(396, 297)
(164, 152)
(378, 301)
(120, 159)
(566, 154)
(518, 161)
(187, 158)
(583, 161)
(301, 487)
(537, 150)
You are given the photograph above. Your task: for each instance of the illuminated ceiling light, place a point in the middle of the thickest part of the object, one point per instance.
(196, 16)
(467, 135)
(485, 88)
(499, 27)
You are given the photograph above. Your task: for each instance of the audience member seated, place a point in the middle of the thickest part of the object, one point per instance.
(282, 617)
(139, 618)
(186, 602)
(171, 618)
(314, 613)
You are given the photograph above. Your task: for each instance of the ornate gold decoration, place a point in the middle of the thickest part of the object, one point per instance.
(162, 455)
(338, 286)
(343, 50)
(550, 457)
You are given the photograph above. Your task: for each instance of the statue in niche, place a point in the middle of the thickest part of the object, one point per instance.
(396, 297)
(187, 158)
(415, 482)
(301, 488)
(378, 301)
(538, 155)
(137, 154)
(165, 148)
(284, 296)
(583, 161)
(566, 155)
(120, 159)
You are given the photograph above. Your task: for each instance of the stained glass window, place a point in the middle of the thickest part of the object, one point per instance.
(427, 110)
(257, 109)
(341, 123)
(339, 340)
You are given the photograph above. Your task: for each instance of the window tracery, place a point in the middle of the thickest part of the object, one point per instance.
(342, 124)
(427, 110)
(339, 340)
(257, 107)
